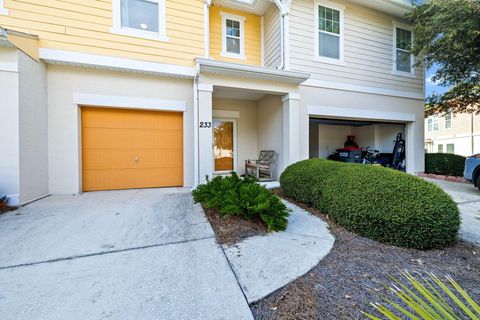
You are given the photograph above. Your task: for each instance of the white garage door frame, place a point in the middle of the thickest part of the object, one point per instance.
(408, 119)
(124, 102)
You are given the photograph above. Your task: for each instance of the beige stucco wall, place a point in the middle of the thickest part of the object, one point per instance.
(246, 128)
(64, 124)
(33, 129)
(270, 128)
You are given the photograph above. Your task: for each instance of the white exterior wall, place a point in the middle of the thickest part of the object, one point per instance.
(64, 134)
(368, 49)
(246, 128)
(9, 126)
(270, 128)
(33, 129)
(272, 37)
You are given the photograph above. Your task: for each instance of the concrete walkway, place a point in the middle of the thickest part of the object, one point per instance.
(468, 199)
(138, 254)
(265, 264)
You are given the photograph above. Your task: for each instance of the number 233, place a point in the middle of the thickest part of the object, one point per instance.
(206, 125)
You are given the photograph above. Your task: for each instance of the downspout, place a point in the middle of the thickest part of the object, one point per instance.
(280, 5)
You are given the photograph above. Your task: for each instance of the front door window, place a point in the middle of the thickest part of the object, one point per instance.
(223, 146)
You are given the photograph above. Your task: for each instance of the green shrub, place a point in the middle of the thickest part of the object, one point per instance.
(243, 197)
(444, 164)
(379, 203)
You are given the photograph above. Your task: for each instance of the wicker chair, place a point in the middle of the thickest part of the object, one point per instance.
(261, 168)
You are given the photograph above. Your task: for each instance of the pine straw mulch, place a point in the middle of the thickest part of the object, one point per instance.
(232, 229)
(7, 209)
(355, 273)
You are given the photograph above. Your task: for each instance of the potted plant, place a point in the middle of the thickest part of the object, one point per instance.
(3, 202)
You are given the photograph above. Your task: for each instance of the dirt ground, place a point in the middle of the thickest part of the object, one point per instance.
(233, 229)
(356, 272)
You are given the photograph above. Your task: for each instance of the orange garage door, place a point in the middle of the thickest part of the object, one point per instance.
(126, 149)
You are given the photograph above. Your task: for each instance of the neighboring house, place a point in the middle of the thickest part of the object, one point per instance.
(453, 133)
(117, 94)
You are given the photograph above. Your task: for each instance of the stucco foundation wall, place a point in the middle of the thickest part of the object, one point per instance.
(382, 106)
(246, 128)
(64, 143)
(270, 128)
(33, 131)
(9, 130)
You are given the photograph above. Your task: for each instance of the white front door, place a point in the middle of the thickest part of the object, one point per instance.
(224, 145)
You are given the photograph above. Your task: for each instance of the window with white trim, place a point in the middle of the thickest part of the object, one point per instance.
(403, 39)
(329, 32)
(440, 148)
(448, 120)
(140, 18)
(3, 10)
(451, 148)
(432, 123)
(233, 35)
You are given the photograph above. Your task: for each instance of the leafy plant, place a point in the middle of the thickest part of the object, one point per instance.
(375, 202)
(445, 164)
(3, 198)
(243, 197)
(429, 298)
(451, 46)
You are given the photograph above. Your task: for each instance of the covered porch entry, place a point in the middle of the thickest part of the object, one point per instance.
(242, 112)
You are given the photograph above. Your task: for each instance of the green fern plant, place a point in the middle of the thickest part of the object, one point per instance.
(430, 299)
(243, 197)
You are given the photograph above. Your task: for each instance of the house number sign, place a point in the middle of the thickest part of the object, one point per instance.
(205, 124)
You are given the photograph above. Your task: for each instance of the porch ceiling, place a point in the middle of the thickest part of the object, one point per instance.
(258, 7)
(237, 94)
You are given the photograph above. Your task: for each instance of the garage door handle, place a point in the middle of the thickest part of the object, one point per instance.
(136, 159)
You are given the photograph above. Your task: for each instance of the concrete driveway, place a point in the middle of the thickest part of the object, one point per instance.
(144, 254)
(468, 199)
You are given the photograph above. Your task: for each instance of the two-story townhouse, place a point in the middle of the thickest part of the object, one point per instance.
(118, 94)
(453, 133)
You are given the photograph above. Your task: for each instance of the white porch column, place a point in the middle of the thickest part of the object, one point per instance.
(205, 132)
(414, 147)
(291, 129)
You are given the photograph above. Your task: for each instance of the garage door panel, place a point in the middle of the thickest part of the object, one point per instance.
(104, 138)
(131, 119)
(116, 179)
(118, 159)
(124, 149)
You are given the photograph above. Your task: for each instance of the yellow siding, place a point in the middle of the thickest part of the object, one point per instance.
(253, 38)
(84, 26)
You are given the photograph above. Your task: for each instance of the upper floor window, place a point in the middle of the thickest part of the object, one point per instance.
(329, 31)
(233, 35)
(448, 120)
(432, 123)
(3, 10)
(403, 39)
(140, 18)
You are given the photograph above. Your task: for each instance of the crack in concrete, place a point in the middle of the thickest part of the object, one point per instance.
(101, 253)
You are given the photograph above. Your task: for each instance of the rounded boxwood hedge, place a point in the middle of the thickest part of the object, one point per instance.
(379, 203)
(444, 164)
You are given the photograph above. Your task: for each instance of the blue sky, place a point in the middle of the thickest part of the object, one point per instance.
(430, 86)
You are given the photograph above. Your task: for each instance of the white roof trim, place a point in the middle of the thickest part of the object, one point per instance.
(247, 71)
(113, 63)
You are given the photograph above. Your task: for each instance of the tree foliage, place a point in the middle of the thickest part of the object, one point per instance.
(447, 33)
